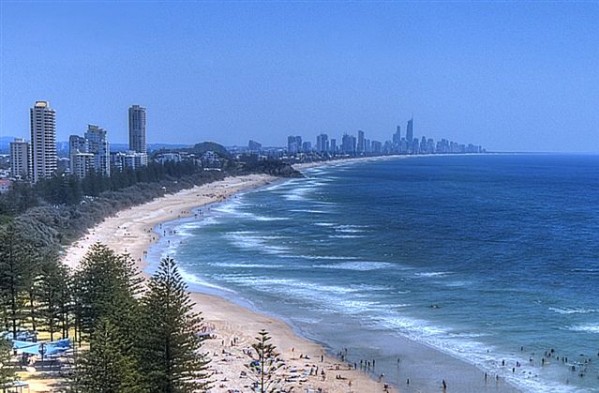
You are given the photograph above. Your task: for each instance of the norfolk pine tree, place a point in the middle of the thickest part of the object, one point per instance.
(265, 364)
(105, 287)
(170, 346)
(7, 369)
(106, 368)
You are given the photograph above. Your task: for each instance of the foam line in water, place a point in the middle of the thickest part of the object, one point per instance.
(233, 209)
(195, 280)
(568, 311)
(356, 266)
(432, 274)
(246, 265)
(311, 211)
(587, 328)
(325, 257)
(249, 241)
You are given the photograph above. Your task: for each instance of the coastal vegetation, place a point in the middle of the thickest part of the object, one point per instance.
(130, 337)
(65, 207)
(264, 365)
(7, 369)
(103, 306)
(138, 342)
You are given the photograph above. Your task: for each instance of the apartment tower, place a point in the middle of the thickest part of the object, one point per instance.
(43, 141)
(19, 158)
(97, 143)
(137, 129)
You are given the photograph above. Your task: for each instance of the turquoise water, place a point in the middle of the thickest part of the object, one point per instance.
(491, 259)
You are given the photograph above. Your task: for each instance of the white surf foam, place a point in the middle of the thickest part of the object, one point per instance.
(326, 257)
(351, 228)
(233, 209)
(311, 211)
(345, 236)
(195, 280)
(357, 266)
(586, 328)
(324, 224)
(250, 241)
(246, 265)
(432, 274)
(568, 311)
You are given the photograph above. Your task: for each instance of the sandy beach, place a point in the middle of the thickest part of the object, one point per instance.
(308, 367)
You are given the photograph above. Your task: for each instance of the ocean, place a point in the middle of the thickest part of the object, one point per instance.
(424, 264)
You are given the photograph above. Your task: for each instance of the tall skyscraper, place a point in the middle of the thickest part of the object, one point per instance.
(19, 158)
(43, 141)
(98, 145)
(322, 143)
(137, 129)
(294, 144)
(410, 131)
(361, 147)
(397, 137)
(348, 144)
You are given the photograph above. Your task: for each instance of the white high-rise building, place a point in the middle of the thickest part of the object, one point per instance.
(43, 141)
(137, 129)
(19, 158)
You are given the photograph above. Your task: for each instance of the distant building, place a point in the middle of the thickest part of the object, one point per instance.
(333, 146)
(81, 164)
(410, 135)
(254, 146)
(348, 144)
(43, 141)
(322, 143)
(128, 159)
(430, 143)
(423, 146)
(97, 144)
(397, 139)
(361, 148)
(415, 146)
(137, 129)
(367, 146)
(306, 147)
(294, 144)
(211, 160)
(19, 158)
(165, 157)
(376, 147)
(78, 145)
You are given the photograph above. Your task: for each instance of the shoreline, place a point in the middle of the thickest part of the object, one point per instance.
(131, 231)
(236, 325)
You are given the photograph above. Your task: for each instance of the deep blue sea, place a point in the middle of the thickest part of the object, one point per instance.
(491, 259)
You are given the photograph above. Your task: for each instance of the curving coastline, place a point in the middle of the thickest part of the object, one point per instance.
(131, 231)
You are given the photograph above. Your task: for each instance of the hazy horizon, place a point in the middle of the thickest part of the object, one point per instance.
(507, 76)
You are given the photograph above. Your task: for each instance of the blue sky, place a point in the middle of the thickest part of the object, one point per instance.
(512, 76)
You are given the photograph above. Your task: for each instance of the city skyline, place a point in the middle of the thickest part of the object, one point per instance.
(507, 76)
(92, 151)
